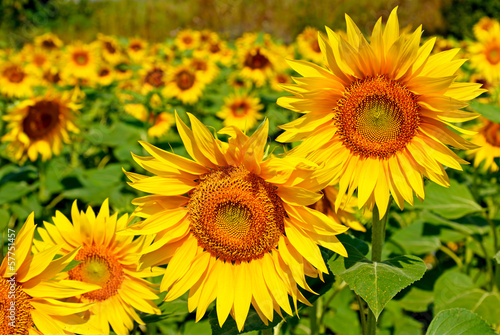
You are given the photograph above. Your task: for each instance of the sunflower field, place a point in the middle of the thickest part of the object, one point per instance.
(340, 181)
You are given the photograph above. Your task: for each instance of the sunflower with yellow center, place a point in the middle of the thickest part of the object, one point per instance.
(184, 84)
(378, 115)
(38, 126)
(488, 140)
(15, 80)
(308, 45)
(485, 54)
(241, 109)
(107, 260)
(80, 63)
(32, 296)
(232, 226)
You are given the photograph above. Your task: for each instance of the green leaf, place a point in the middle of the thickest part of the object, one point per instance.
(456, 290)
(458, 321)
(12, 191)
(416, 300)
(168, 309)
(376, 282)
(451, 203)
(467, 226)
(491, 112)
(4, 219)
(71, 265)
(497, 257)
(412, 239)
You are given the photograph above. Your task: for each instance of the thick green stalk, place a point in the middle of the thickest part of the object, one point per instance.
(378, 238)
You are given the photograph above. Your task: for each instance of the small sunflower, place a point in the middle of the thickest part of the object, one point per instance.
(485, 54)
(107, 260)
(241, 110)
(137, 49)
(488, 140)
(345, 214)
(33, 298)
(37, 126)
(49, 42)
(308, 45)
(15, 80)
(257, 65)
(482, 28)
(139, 111)
(162, 124)
(232, 226)
(153, 76)
(105, 75)
(184, 84)
(378, 115)
(187, 39)
(207, 70)
(80, 63)
(110, 49)
(278, 79)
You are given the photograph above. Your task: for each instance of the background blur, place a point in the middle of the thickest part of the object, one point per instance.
(155, 20)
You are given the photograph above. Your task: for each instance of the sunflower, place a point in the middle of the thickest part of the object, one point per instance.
(184, 84)
(485, 54)
(105, 75)
(232, 226)
(162, 124)
(241, 110)
(378, 116)
(278, 79)
(80, 63)
(107, 260)
(483, 26)
(139, 111)
(345, 214)
(137, 49)
(488, 140)
(257, 64)
(15, 80)
(32, 296)
(153, 76)
(207, 70)
(38, 125)
(110, 49)
(308, 45)
(187, 39)
(48, 42)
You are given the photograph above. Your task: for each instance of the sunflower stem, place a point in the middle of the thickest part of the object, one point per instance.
(314, 318)
(378, 238)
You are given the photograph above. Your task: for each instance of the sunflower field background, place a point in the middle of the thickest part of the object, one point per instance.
(125, 124)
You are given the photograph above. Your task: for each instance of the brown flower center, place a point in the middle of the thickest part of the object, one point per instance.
(199, 65)
(493, 54)
(187, 39)
(98, 266)
(491, 132)
(240, 108)
(109, 47)
(104, 72)
(184, 80)
(42, 117)
(48, 44)
(236, 215)
(257, 60)
(214, 48)
(15, 308)
(315, 46)
(14, 73)
(81, 58)
(155, 77)
(377, 117)
(135, 46)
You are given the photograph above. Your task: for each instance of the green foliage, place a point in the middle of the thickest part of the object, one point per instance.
(458, 321)
(461, 15)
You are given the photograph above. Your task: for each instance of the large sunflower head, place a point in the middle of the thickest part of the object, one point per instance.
(241, 110)
(32, 295)
(378, 114)
(107, 260)
(488, 140)
(38, 126)
(232, 226)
